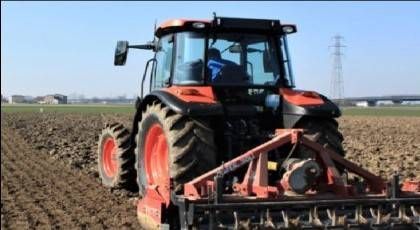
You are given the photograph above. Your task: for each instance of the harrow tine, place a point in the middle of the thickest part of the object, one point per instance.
(414, 211)
(285, 219)
(314, 218)
(269, 221)
(376, 214)
(379, 216)
(295, 223)
(402, 215)
(290, 222)
(332, 215)
(342, 220)
(386, 217)
(360, 219)
(235, 215)
(241, 224)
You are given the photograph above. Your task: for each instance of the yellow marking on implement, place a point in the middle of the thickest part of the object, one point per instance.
(272, 165)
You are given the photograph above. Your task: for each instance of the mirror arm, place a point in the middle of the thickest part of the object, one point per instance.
(143, 47)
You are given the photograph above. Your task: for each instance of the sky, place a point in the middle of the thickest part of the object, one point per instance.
(68, 47)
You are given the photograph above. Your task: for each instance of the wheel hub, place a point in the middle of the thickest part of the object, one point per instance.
(157, 162)
(109, 155)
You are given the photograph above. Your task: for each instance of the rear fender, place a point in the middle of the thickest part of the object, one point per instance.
(296, 104)
(190, 101)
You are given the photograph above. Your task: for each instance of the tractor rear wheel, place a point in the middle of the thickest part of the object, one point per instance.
(324, 132)
(171, 149)
(116, 158)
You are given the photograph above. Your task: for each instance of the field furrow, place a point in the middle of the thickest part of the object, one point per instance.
(38, 192)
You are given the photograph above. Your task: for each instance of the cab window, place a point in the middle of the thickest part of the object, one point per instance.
(189, 60)
(163, 62)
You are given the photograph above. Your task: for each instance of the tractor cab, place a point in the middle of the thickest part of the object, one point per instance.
(222, 52)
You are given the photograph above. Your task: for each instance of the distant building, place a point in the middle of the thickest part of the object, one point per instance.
(54, 99)
(362, 104)
(39, 100)
(17, 99)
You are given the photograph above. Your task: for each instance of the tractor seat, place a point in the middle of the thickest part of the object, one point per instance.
(232, 74)
(189, 73)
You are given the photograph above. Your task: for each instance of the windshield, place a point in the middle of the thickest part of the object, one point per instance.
(244, 59)
(232, 59)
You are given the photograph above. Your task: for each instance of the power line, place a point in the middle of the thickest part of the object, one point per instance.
(337, 82)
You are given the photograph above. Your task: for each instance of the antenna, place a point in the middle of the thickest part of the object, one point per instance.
(154, 31)
(337, 83)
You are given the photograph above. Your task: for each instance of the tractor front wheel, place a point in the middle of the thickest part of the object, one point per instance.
(116, 158)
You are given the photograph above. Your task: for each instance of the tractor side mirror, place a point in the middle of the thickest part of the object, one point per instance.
(235, 48)
(121, 52)
(267, 59)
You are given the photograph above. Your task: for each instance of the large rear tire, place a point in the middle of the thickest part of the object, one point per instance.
(324, 132)
(116, 158)
(171, 149)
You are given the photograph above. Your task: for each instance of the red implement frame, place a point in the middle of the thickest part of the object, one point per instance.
(255, 181)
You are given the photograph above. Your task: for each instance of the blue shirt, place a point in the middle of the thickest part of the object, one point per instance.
(216, 65)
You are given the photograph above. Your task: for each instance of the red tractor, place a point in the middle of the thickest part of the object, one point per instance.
(221, 139)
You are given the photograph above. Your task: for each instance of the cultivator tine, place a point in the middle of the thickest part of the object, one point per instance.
(386, 218)
(268, 224)
(342, 220)
(235, 215)
(415, 212)
(314, 218)
(241, 224)
(290, 222)
(295, 223)
(379, 216)
(376, 215)
(245, 224)
(402, 215)
(416, 215)
(285, 219)
(332, 215)
(360, 219)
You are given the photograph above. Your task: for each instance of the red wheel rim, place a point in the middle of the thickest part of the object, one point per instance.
(156, 160)
(109, 157)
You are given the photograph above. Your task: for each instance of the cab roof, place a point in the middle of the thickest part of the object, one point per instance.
(220, 23)
(180, 22)
(174, 25)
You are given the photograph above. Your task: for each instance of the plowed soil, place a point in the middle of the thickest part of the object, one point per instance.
(49, 176)
(38, 191)
(383, 145)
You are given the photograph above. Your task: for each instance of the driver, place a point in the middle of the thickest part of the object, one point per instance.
(216, 63)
